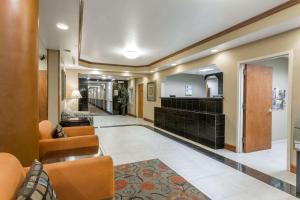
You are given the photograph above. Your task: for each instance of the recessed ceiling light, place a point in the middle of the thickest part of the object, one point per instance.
(206, 70)
(131, 54)
(173, 64)
(214, 50)
(62, 26)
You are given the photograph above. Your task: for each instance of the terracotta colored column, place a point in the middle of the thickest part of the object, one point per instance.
(19, 78)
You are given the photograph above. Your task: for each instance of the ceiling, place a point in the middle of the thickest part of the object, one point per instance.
(50, 37)
(156, 28)
(203, 70)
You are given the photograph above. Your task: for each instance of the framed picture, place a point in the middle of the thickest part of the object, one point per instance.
(151, 91)
(188, 90)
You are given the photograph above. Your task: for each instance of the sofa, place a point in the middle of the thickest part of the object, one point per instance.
(91, 178)
(79, 140)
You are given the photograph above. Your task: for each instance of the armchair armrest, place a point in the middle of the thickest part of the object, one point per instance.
(68, 144)
(91, 178)
(79, 131)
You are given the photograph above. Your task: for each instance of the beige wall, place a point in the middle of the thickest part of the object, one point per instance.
(227, 61)
(71, 84)
(131, 107)
(53, 57)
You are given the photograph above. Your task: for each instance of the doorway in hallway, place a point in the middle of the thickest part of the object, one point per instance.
(264, 130)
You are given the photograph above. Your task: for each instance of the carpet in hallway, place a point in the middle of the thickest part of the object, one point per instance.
(152, 179)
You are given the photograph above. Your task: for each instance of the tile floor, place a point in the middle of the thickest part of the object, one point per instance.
(97, 111)
(272, 162)
(135, 143)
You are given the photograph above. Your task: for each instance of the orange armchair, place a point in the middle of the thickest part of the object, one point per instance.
(91, 178)
(79, 141)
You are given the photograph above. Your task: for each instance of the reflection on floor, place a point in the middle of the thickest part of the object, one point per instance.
(97, 111)
(272, 162)
(135, 143)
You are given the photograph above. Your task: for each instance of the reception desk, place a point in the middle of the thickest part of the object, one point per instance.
(198, 119)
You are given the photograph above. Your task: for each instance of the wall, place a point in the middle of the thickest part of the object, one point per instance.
(175, 85)
(280, 80)
(108, 95)
(71, 84)
(53, 59)
(212, 84)
(132, 88)
(227, 61)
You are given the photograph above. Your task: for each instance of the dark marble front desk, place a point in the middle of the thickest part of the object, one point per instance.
(198, 119)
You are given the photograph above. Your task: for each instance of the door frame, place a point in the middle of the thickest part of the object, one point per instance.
(138, 102)
(240, 100)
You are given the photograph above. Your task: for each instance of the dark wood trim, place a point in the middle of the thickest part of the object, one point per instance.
(293, 168)
(148, 120)
(47, 83)
(59, 89)
(109, 64)
(132, 115)
(230, 147)
(81, 6)
(247, 22)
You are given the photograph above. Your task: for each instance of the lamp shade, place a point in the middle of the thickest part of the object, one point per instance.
(76, 94)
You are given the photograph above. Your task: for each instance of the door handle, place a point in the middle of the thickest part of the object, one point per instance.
(270, 110)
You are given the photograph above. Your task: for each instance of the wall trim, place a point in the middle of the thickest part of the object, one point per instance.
(148, 120)
(293, 168)
(230, 147)
(238, 26)
(132, 115)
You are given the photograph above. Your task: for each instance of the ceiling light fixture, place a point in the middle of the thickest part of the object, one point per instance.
(62, 26)
(206, 70)
(131, 54)
(214, 50)
(173, 64)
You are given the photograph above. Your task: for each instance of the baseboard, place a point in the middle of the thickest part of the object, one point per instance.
(148, 120)
(230, 147)
(293, 168)
(132, 115)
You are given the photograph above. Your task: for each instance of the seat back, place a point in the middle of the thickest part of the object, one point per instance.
(12, 175)
(46, 129)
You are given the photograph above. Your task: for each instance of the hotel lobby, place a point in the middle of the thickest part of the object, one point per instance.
(140, 100)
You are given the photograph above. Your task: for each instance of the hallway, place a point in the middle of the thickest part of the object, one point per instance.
(133, 143)
(97, 111)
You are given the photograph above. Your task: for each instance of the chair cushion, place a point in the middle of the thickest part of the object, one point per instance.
(37, 185)
(46, 129)
(12, 175)
(59, 132)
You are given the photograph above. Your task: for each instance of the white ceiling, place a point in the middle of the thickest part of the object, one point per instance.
(199, 71)
(155, 28)
(50, 37)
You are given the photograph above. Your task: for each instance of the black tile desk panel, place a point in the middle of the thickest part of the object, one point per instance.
(198, 119)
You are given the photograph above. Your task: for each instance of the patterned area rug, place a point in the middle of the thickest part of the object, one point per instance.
(152, 180)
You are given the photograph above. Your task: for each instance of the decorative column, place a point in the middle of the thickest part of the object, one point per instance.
(19, 79)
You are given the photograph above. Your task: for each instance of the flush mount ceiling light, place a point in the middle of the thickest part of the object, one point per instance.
(214, 50)
(206, 70)
(131, 54)
(62, 26)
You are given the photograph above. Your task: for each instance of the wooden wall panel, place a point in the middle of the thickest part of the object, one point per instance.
(19, 79)
(43, 95)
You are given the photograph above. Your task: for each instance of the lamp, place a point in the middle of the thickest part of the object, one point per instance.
(76, 94)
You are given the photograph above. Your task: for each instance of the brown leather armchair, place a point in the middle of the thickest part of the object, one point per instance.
(91, 178)
(80, 140)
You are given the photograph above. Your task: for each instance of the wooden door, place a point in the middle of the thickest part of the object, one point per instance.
(141, 100)
(257, 108)
(43, 95)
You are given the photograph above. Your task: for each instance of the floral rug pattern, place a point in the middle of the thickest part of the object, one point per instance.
(152, 180)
